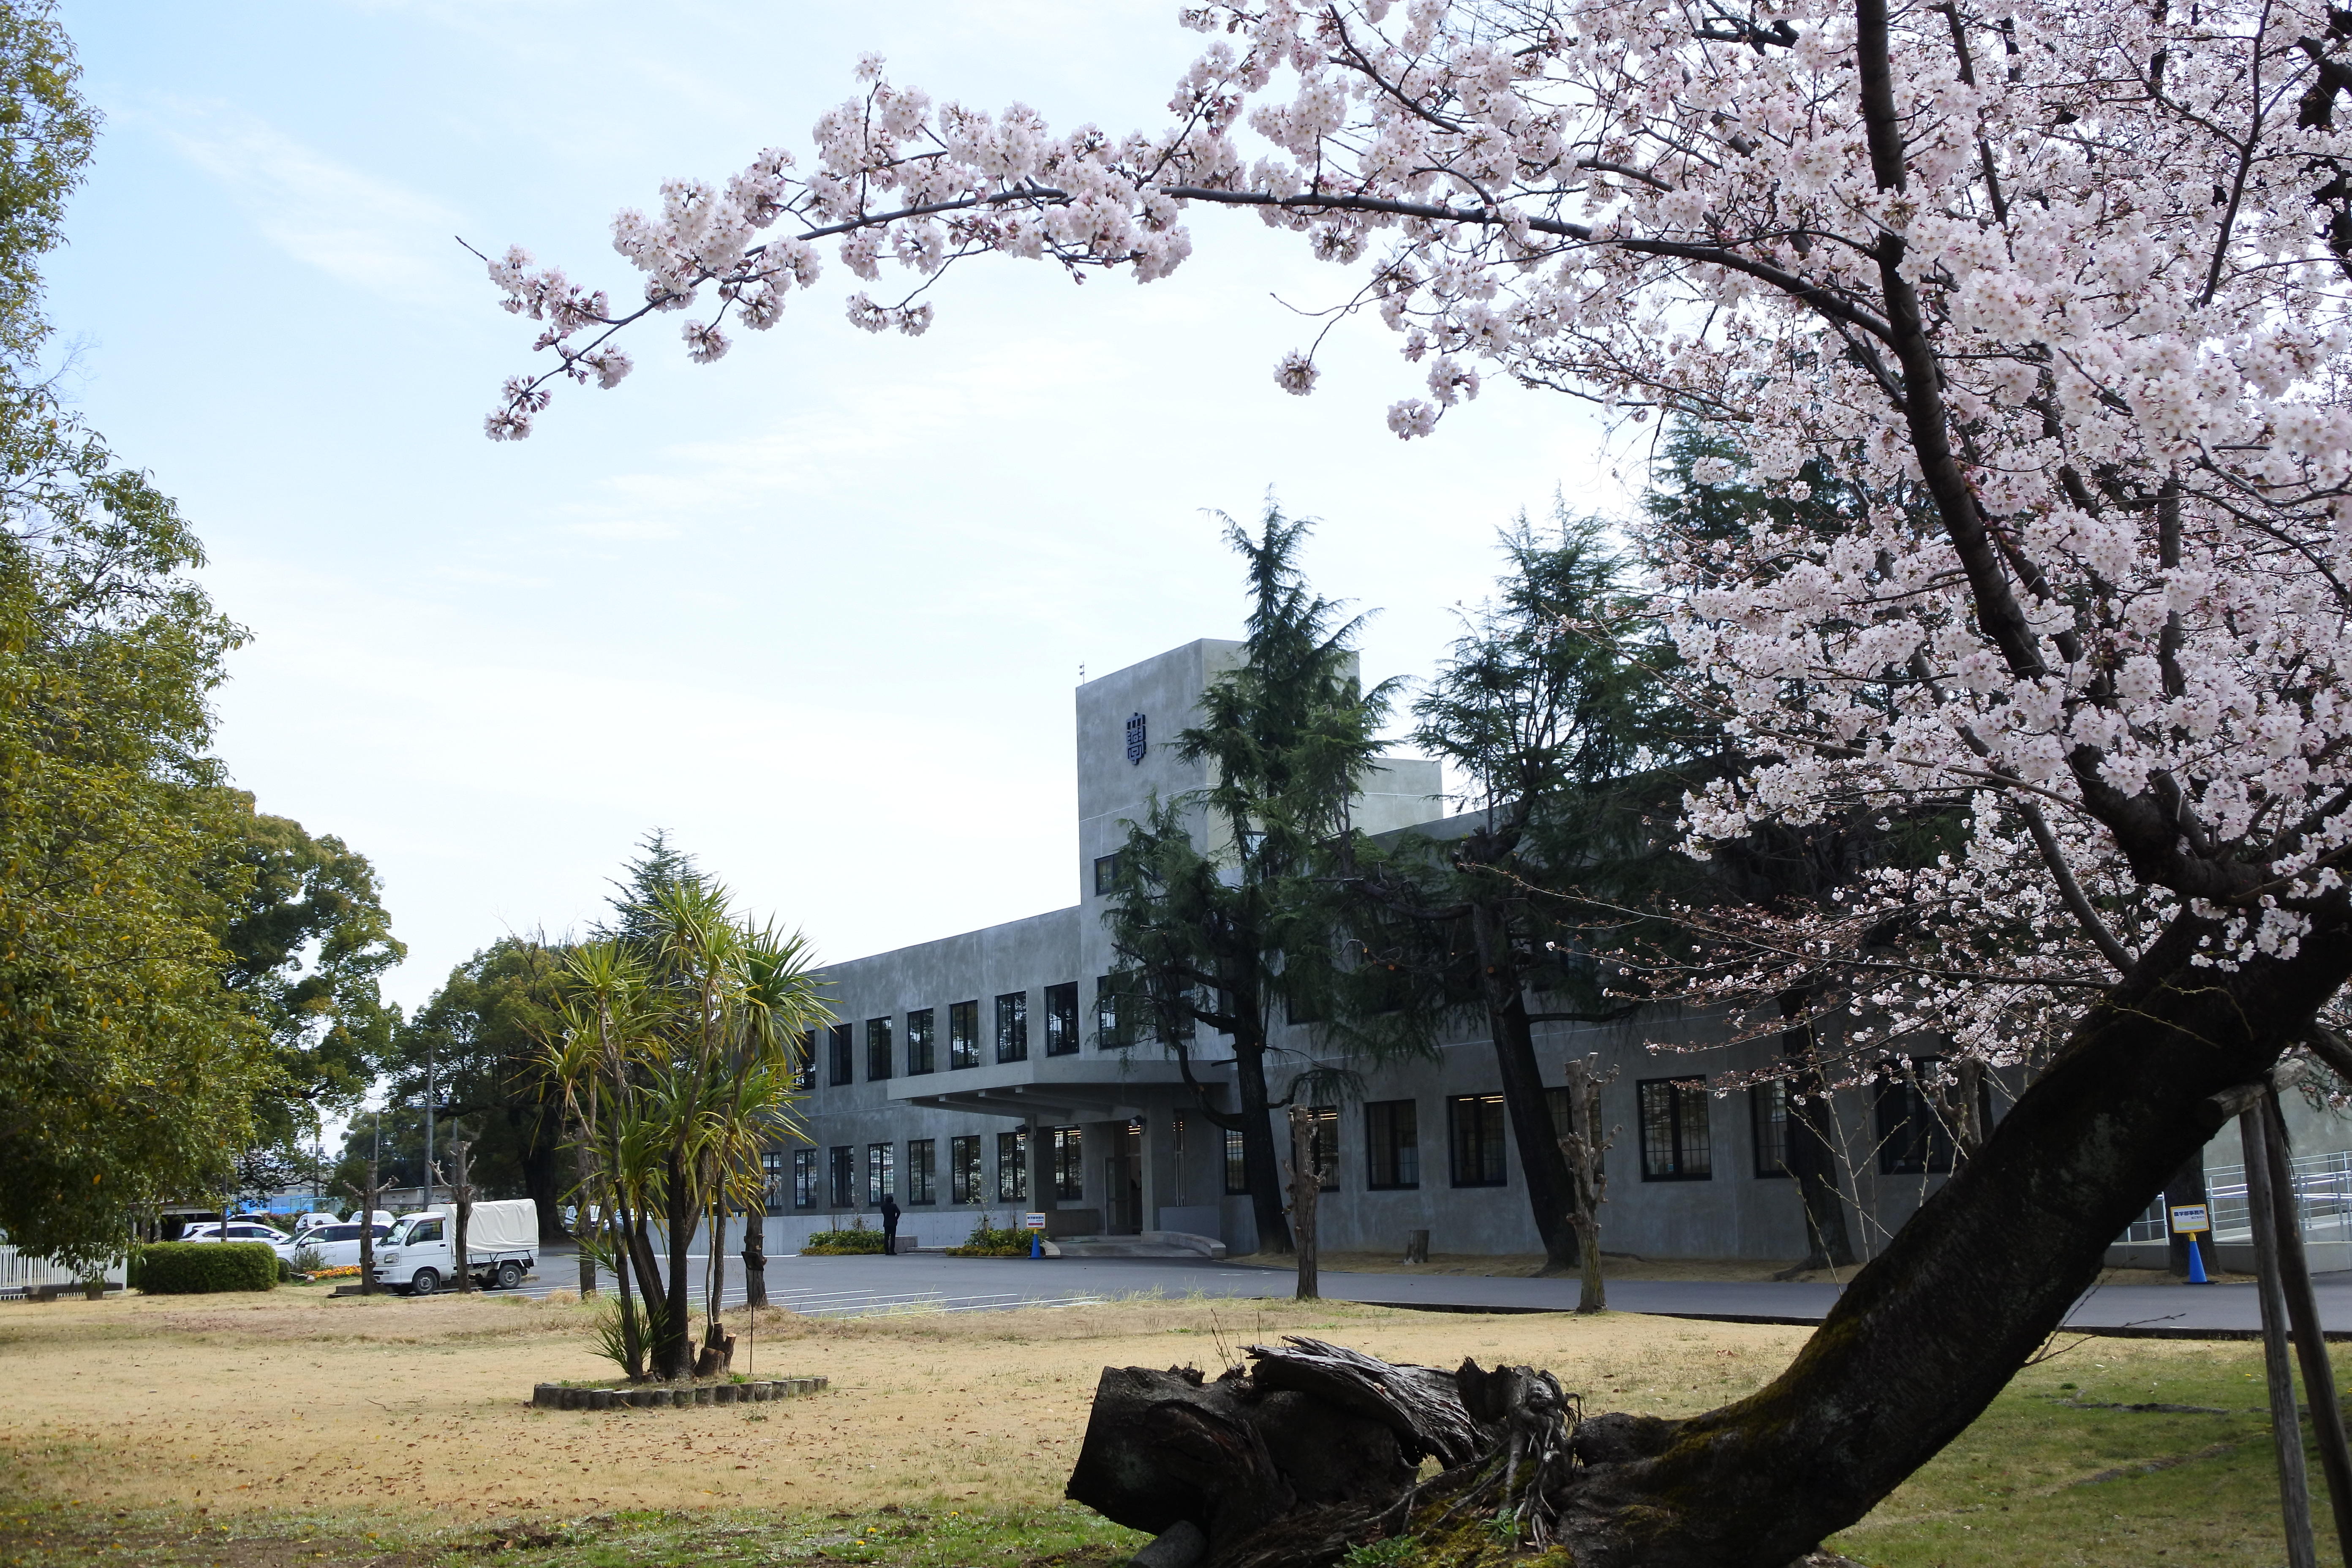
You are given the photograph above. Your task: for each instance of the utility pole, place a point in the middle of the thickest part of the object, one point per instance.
(429, 1183)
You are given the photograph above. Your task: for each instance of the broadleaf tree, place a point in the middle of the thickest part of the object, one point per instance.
(2056, 291)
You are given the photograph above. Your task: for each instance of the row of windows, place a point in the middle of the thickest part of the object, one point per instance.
(1676, 1138)
(1675, 1145)
(852, 1177)
(922, 1038)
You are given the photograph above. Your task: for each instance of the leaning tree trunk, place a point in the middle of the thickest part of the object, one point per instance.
(1928, 1334)
(1259, 1167)
(1532, 1133)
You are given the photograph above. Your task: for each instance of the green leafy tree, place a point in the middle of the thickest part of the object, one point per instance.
(483, 1034)
(127, 1070)
(1551, 707)
(309, 942)
(1221, 916)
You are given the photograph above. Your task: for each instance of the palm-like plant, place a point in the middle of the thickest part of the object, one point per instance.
(676, 1063)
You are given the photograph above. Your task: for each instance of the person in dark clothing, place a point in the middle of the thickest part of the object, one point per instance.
(889, 1225)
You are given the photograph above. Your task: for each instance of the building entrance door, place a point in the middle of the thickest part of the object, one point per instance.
(1123, 1183)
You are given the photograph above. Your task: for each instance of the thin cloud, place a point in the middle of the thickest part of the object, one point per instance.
(364, 231)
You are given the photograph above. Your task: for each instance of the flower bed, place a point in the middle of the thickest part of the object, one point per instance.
(987, 1241)
(830, 1243)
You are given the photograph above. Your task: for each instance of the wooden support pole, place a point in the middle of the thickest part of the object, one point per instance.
(2310, 1340)
(2286, 1424)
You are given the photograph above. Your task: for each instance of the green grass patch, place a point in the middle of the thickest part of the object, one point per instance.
(2053, 1474)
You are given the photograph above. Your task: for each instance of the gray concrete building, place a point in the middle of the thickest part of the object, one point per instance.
(973, 1076)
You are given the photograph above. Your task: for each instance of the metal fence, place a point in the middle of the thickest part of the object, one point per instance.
(2323, 1199)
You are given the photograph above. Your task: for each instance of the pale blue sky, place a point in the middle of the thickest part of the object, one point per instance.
(818, 609)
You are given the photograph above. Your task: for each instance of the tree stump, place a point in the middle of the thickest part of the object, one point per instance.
(1416, 1247)
(1311, 1451)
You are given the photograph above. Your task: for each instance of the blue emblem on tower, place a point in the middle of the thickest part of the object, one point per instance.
(1134, 741)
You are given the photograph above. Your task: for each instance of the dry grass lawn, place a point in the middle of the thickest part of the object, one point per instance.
(395, 1409)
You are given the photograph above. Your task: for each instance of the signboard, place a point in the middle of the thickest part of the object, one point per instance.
(1033, 1222)
(2190, 1218)
(1135, 738)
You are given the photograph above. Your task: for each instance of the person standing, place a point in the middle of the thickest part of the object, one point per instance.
(889, 1225)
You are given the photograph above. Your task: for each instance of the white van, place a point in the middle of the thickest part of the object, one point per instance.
(501, 1246)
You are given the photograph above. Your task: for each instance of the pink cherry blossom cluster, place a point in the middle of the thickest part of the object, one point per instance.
(2056, 289)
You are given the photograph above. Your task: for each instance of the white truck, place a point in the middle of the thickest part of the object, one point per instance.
(501, 1246)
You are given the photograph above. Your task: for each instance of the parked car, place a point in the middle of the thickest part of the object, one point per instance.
(501, 1246)
(337, 1245)
(313, 1221)
(243, 1230)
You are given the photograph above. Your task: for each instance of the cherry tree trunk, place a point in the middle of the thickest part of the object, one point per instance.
(1921, 1341)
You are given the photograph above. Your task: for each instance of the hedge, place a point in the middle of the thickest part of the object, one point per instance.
(857, 1238)
(201, 1268)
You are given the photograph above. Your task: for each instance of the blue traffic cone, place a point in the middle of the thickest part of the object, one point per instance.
(2197, 1262)
(1036, 1250)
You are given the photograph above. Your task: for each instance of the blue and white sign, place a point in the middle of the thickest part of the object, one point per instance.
(1135, 738)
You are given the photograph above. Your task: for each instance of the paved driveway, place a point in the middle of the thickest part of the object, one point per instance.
(844, 1286)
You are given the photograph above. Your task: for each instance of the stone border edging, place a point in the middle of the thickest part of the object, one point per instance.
(662, 1396)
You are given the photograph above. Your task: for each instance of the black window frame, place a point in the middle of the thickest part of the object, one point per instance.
(1236, 1163)
(881, 1173)
(1384, 1154)
(1323, 1144)
(1664, 1104)
(879, 1049)
(1012, 1027)
(841, 1176)
(1062, 1019)
(922, 1171)
(1013, 1174)
(1768, 1128)
(1106, 873)
(920, 1023)
(841, 1055)
(804, 1061)
(1116, 1009)
(805, 1178)
(1916, 1141)
(963, 1034)
(1477, 1141)
(771, 1180)
(966, 1180)
(1069, 1162)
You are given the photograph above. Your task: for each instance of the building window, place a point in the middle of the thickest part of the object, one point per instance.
(803, 1178)
(1768, 1119)
(1062, 1019)
(1913, 1140)
(839, 1047)
(1675, 1144)
(804, 1061)
(963, 1169)
(877, 1048)
(881, 1173)
(1013, 1167)
(1069, 1165)
(1478, 1139)
(922, 1170)
(771, 1179)
(1323, 1144)
(1236, 1163)
(1115, 1006)
(843, 1172)
(1012, 1027)
(964, 1033)
(1105, 875)
(1392, 1144)
(919, 1041)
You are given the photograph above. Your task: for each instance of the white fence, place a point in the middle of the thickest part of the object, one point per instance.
(20, 1274)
